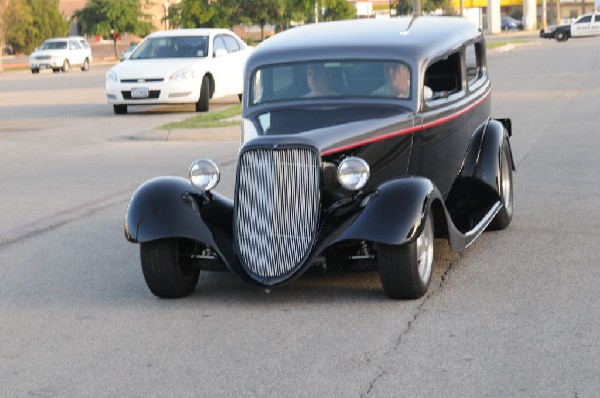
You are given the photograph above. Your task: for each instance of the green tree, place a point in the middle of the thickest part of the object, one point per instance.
(336, 10)
(261, 12)
(28, 23)
(405, 7)
(203, 14)
(114, 17)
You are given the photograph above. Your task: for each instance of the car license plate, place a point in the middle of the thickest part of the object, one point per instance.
(139, 92)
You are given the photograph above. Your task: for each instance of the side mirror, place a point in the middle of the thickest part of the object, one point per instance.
(220, 52)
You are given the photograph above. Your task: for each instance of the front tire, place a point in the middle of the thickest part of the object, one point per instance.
(66, 66)
(120, 109)
(504, 216)
(165, 270)
(202, 104)
(405, 270)
(561, 36)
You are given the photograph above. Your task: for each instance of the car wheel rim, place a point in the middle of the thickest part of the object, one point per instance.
(506, 184)
(425, 251)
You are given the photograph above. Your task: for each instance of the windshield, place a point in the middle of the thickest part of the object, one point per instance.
(330, 79)
(172, 47)
(54, 45)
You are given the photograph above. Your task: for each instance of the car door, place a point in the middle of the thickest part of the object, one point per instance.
(444, 139)
(237, 59)
(220, 67)
(584, 26)
(76, 53)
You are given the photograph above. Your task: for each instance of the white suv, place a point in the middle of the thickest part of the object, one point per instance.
(60, 54)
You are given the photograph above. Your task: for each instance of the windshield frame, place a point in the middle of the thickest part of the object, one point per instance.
(349, 78)
(164, 47)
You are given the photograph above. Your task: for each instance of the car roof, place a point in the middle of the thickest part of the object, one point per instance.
(413, 40)
(189, 32)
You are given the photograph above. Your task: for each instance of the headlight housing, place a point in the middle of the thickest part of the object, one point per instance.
(111, 76)
(182, 74)
(353, 173)
(204, 174)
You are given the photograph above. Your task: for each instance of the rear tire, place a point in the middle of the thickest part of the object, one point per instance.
(405, 270)
(504, 216)
(165, 271)
(86, 65)
(202, 104)
(120, 109)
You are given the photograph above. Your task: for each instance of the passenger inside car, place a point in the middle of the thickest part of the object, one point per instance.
(398, 82)
(319, 82)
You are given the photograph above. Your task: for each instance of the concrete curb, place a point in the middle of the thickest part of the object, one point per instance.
(211, 134)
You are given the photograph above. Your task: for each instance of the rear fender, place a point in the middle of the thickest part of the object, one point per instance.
(482, 161)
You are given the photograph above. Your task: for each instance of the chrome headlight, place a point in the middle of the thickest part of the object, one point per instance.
(204, 174)
(182, 74)
(111, 76)
(353, 173)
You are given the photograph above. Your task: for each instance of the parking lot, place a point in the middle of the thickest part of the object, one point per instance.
(515, 314)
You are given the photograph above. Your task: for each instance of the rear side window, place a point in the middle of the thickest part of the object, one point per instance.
(473, 62)
(74, 45)
(218, 44)
(231, 43)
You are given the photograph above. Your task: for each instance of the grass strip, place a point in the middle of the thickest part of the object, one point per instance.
(208, 119)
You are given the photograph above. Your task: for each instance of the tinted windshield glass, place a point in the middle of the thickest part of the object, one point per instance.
(172, 47)
(54, 45)
(330, 79)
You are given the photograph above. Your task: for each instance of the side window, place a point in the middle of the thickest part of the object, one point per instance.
(598, 18)
(218, 44)
(74, 45)
(231, 43)
(444, 76)
(586, 19)
(473, 62)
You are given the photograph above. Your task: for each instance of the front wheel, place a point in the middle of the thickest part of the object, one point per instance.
(405, 270)
(167, 270)
(202, 104)
(66, 66)
(504, 216)
(561, 36)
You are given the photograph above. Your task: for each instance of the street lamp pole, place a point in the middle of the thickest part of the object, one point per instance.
(166, 6)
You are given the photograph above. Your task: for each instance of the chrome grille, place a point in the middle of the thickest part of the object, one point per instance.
(277, 206)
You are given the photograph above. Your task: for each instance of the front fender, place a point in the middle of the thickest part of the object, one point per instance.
(395, 213)
(166, 207)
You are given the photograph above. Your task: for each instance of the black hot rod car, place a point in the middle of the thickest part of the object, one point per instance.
(362, 141)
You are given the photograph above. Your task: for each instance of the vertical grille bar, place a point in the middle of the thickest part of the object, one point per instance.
(277, 205)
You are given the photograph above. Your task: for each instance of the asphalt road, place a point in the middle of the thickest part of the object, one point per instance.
(514, 315)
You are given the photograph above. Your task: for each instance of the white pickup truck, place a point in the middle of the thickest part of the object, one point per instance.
(585, 25)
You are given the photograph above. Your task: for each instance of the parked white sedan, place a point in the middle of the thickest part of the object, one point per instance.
(184, 66)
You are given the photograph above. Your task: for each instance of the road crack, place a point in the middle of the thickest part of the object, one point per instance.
(410, 325)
